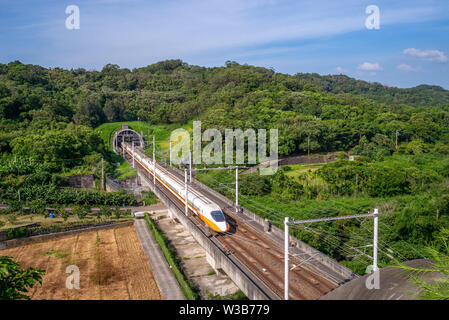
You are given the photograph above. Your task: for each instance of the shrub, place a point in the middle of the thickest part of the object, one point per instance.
(117, 212)
(254, 184)
(37, 206)
(105, 211)
(416, 147)
(13, 233)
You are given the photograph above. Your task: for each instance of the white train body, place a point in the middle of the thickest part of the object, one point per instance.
(207, 210)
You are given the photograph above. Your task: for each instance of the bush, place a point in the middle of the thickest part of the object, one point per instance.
(37, 206)
(13, 233)
(62, 212)
(384, 182)
(51, 193)
(148, 198)
(374, 179)
(416, 147)
(254, 184)
(285, 187)
(117, 212)
(105, 211)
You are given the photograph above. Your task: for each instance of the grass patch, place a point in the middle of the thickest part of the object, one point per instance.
(57, 253)
(148, 198)
(187, 288)
(239, 295)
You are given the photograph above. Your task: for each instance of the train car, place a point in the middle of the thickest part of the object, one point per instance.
(207, 210)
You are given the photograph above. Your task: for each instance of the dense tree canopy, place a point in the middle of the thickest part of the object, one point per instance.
(312, 112)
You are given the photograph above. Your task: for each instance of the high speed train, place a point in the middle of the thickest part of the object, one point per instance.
(207, 210)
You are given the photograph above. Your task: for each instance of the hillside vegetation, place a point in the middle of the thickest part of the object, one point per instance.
(302, 107)
(56, 122)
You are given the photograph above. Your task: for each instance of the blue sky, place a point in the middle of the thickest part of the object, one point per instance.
(324, 36)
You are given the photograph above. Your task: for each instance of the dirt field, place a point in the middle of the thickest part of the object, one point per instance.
(111, 262)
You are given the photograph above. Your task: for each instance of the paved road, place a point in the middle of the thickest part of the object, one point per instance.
(162, 273)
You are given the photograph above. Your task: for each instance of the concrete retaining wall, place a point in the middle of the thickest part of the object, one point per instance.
(81, 181)
(44, 237)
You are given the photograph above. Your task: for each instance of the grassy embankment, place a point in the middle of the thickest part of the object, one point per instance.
(187, 288)
(162, 135)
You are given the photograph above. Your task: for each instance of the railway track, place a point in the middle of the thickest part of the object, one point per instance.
(263, 256)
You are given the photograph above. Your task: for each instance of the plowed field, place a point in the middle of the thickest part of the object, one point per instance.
(111, 263)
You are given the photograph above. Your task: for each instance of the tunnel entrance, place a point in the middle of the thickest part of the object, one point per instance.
(125, 134)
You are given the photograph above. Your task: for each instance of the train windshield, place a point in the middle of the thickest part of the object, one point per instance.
(218, 216)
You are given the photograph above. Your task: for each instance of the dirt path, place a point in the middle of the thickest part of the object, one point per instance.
(111, 262)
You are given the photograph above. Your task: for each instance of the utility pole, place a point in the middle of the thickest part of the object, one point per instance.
(397, 133)
(170, 153)
(286, 244)
(308, 146)
(102, 174)
(154, 160)
(190, 165)
(187, 192)
(236, 189)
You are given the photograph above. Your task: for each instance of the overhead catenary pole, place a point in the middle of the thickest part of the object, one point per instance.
(376, 227)
(154, 161)
(170, 153)
(186, 192)
(236, 189)
(133, 154)
(190, 165)
(286, 244)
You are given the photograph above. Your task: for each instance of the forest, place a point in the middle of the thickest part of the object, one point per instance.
(48, 118)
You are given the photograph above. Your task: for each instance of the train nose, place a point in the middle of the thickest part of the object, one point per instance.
(224, 227)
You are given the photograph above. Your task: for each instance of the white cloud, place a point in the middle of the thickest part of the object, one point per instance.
(367, 66)
(406, 67)
(429, 55)
(143, 32)
(341, 70)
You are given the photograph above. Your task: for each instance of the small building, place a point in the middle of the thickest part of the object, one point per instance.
(354, 158)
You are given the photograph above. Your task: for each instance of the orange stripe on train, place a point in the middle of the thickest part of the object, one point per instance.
(209, 223)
